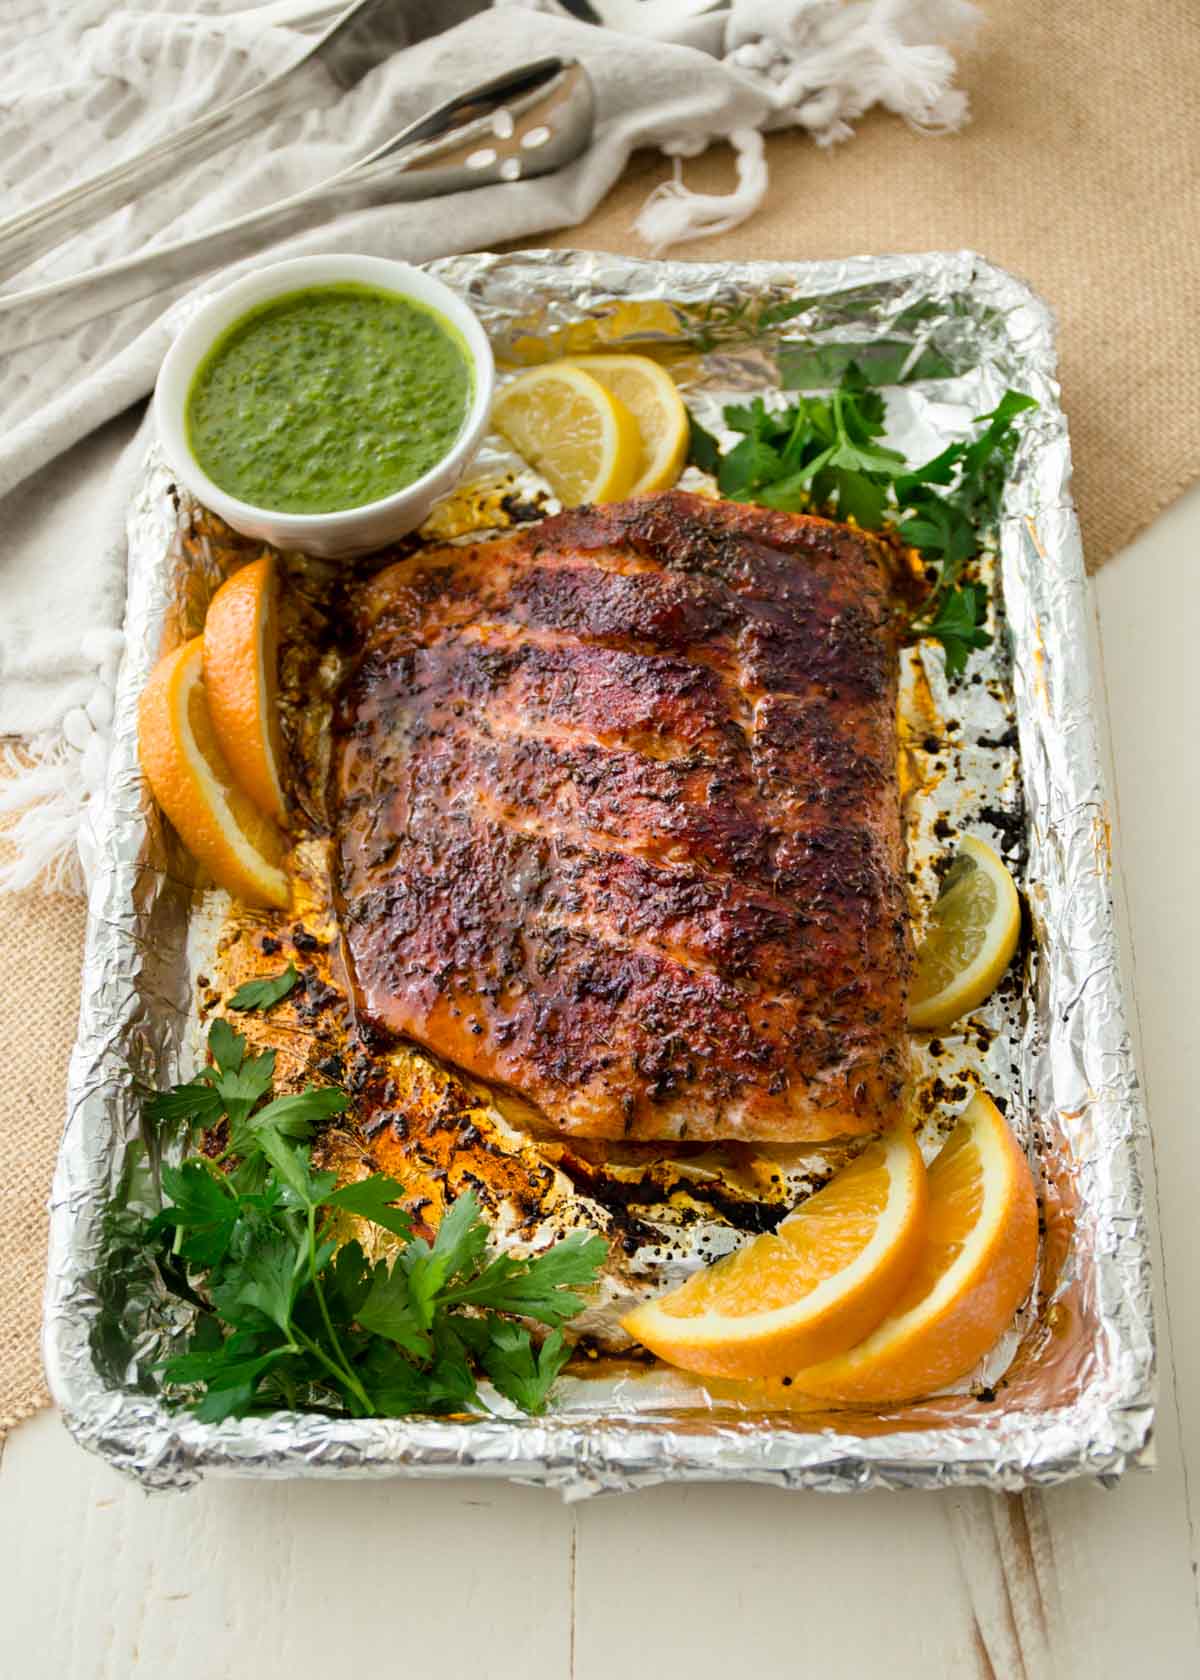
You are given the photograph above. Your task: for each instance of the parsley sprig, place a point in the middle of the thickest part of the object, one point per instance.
(824, 452)
(265, 994)
(289, 1316)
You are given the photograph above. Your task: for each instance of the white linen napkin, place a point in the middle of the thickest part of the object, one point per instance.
(80, 90)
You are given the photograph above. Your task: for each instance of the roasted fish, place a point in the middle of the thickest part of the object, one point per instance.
(618, 821)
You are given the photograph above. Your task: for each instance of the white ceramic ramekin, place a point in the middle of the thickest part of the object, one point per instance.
(354, 530)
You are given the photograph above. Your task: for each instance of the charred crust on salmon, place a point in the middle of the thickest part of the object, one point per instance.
(618, 825)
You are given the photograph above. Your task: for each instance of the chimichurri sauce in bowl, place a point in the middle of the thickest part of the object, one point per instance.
(328, 398)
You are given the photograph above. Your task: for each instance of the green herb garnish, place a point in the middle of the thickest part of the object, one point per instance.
(290, 1317)
(824, 453)
(265, 994)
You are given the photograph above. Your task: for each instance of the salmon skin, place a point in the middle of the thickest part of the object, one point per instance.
(619, 826)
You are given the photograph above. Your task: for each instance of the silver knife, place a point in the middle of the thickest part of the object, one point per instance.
(365, 35)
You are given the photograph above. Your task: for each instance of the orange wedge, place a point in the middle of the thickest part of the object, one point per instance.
(192, 781)
(810, 1290)
(241, 658)
(976, 1269)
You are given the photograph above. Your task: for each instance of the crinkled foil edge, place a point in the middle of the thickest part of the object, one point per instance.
(1076, 1059)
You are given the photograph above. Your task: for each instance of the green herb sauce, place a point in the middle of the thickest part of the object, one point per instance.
(328, 398)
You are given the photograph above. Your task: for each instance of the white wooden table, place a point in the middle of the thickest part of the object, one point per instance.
(268, 1580)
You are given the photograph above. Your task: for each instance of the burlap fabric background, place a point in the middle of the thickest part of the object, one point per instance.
(1080, 172)
(41, 943)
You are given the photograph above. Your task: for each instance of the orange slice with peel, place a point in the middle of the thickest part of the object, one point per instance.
(976, 1268)
(222, 828)
(241, 660)
(811, 1289)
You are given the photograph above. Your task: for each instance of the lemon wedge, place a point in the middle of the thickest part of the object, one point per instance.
(972, 934)
(649, 393)
(580, 436)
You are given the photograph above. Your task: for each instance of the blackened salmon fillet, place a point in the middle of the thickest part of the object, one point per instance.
(618, 820)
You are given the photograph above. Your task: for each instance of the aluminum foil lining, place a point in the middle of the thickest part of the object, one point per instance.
(1071, 1391)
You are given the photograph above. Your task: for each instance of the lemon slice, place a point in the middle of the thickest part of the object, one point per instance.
(649, 393)
(813, 1289)
(971, 937)
(578, 435)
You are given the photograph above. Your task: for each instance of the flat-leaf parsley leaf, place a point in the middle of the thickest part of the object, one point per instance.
(824, 453)
(266, 993)
(289, 1316)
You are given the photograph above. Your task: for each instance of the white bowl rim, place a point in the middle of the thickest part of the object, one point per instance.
(241, 297)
